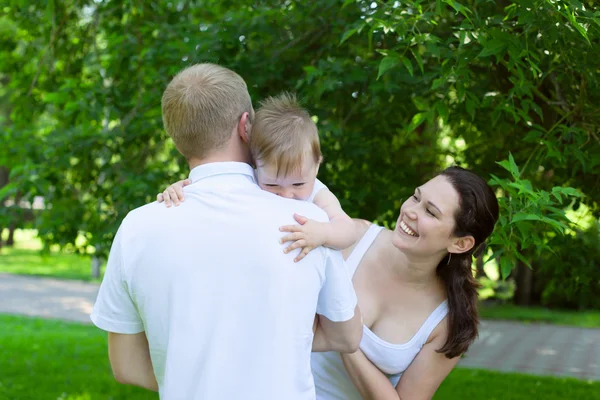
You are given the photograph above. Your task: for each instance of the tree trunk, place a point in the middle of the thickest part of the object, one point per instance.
(96, 263)
(10, 241)
(524, 281)
(3, 182)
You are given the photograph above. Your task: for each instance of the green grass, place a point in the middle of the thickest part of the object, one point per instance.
(477, 384)
(46, 359)
(26, 258)
(583, 319)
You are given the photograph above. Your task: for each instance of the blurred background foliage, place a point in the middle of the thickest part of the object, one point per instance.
(400, 90)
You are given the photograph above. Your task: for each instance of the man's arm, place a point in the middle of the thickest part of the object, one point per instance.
(343, 337)
(338, 324)
(130, 360)
(116, 313)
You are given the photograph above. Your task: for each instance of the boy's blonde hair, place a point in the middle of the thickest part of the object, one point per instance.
(201, 106)
(284, 134)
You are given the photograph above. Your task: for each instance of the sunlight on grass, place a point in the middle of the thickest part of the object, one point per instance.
(69, 362)
(45, 359)
(583, 319)
(477, 384)
(26, 258)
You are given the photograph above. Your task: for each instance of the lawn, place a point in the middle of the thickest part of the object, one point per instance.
(45, 359)
(583, 319)
(26, 258)
(477, 384)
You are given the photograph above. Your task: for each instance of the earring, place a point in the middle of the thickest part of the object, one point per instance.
(449, 258)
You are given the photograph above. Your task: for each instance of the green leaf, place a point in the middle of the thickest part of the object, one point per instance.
(437, 83)
(505, 267)
(417, 120)
(348, 34)
(420, 103)
(494, 255)
(442, 109)
(492, 47)
(526, 217)
(386, 64)
(510, 166)
(438, 7)
(408, 66)
(537, 110)
(523, 259)
(419, 60)
(470, 104)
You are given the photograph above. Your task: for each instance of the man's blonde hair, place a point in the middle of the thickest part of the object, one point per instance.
(283, 135)
(201, 106)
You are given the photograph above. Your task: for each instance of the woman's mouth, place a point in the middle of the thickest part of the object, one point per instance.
(407, 229)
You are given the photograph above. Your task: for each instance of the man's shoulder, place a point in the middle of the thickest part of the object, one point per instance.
(138, 217)
(291, 206)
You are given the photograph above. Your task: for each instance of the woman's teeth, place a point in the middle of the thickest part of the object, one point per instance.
(405, 228)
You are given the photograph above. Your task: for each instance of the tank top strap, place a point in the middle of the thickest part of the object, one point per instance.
(432, 321)
(361, 248)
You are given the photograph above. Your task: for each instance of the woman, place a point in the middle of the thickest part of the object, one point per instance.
(416, 292)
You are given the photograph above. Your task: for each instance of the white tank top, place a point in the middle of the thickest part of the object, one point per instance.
(331, 380)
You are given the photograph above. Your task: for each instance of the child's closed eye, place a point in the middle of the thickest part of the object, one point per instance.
(299, 184)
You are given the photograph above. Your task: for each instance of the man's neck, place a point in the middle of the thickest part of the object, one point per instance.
(214, 158)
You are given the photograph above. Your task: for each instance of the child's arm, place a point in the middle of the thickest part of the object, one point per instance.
(339, 233)
(173, 193)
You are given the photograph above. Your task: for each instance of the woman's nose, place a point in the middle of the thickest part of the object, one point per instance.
(410, 212)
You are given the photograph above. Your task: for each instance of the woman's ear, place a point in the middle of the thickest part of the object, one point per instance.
(461, 245)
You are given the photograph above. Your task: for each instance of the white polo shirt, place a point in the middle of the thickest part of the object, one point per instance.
(227, 314)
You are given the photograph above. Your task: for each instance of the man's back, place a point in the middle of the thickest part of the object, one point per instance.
(227, 314)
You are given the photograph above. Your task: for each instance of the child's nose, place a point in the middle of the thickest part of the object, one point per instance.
(288, 194)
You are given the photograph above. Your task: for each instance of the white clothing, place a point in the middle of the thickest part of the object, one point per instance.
(316, 189)
(227, 314)
(331, 379)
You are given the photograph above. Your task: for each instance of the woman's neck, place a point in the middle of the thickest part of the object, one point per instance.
(413, 271)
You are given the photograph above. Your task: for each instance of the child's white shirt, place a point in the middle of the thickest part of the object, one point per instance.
(316, 189)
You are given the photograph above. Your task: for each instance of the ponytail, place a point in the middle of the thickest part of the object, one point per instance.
(456, 273)
(476, 216)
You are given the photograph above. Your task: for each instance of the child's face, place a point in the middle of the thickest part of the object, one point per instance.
(296, 185)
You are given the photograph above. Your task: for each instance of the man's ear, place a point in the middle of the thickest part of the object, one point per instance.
(244, 127)
(461, 245)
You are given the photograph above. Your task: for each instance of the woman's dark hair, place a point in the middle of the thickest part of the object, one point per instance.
(476, 216)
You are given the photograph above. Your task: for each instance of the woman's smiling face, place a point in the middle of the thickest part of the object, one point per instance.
(426, 223)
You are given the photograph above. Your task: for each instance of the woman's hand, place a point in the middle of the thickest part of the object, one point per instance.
(173, 193)
(308, 235)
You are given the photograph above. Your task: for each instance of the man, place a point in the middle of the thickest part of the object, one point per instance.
(200, 301)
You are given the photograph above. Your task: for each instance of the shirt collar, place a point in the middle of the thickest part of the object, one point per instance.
(221, 168)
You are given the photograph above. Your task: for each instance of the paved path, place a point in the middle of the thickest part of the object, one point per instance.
(48, 298)
(505, 346)
(537, 349)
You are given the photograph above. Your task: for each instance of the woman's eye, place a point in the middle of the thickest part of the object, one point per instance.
(430, 213)
(414, 197)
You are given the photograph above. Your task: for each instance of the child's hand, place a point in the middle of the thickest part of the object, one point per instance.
(173, 193)
(308, 235)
